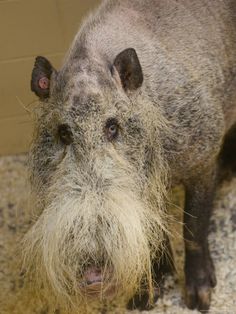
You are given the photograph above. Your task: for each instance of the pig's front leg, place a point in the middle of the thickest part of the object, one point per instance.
(161, 266)
(199, 269)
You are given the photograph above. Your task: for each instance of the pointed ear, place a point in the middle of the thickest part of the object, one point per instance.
(40, 79)
(128, 66)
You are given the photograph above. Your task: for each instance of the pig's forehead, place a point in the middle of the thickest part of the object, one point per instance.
(86, 102)
(82, 87)
(83, 102)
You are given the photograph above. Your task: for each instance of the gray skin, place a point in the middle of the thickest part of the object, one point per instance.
(187, 53)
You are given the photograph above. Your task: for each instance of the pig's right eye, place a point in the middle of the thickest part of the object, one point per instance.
(111, 129)
(65, 134)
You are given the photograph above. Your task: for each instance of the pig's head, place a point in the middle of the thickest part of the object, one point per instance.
(98, 179)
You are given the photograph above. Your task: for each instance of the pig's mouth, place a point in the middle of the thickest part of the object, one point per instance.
(96, 283)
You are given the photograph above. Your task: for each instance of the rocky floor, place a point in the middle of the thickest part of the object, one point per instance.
(14, 220)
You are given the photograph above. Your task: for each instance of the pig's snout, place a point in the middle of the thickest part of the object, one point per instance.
(95, 282)
(93, 276)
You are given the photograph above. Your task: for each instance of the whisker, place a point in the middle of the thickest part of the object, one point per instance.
(23, 105)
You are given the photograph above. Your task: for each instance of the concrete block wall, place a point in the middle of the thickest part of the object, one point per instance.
(29, 28)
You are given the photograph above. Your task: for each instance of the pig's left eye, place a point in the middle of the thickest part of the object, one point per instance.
(65, 134)
(111, 129)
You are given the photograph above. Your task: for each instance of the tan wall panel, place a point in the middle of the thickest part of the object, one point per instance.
(27, 28)
(71, 15)
(15, 135)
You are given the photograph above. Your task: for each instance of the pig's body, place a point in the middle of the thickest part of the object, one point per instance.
(188, 56)
(147, 91)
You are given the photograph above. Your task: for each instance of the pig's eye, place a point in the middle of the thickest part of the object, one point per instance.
(111, 129)
(65, 134)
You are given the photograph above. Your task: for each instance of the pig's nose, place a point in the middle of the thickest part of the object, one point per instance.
(93, 275)
(97, 284)
(92, 282)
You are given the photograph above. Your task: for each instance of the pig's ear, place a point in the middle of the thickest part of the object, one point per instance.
(40, 79)
(129, 69)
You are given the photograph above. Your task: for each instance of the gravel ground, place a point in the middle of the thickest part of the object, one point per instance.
(14, 221)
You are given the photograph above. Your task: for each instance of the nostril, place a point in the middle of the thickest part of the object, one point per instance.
(89, 282)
